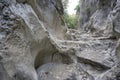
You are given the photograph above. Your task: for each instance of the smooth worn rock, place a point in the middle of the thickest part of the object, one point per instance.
(54, 71)
(3, 73)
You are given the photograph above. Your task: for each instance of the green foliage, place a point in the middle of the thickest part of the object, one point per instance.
(71, 20)
(77, 8)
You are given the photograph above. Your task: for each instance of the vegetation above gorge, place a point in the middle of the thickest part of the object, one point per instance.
(70, 20)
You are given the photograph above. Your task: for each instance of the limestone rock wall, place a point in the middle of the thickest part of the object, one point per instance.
(97, 17)
(26, 37)
(36, 45)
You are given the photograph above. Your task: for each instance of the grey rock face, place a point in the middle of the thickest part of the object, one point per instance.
(101, 21)
(34, 42)
(116, 21)
(52, 71)
(51, 11)
(3, 73)
(21, 1)
(87, 9)
(21, 50)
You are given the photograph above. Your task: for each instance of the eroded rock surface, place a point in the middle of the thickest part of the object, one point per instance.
(36, 45)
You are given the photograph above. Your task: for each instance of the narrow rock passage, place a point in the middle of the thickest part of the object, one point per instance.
(36, 45)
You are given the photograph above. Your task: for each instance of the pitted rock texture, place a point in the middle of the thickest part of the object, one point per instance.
(36, 45)
(101, 19)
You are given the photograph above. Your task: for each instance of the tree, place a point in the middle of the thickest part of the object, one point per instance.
(70, 20)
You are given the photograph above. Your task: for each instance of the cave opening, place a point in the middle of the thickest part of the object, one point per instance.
(44, 57)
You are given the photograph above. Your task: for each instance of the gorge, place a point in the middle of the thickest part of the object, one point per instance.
(35, 43)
